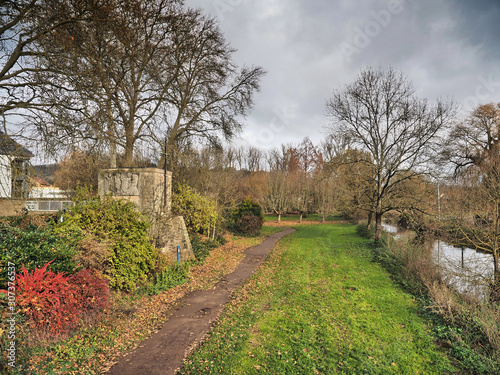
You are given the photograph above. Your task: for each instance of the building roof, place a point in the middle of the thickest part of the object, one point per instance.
(10, 147)
(40, 182)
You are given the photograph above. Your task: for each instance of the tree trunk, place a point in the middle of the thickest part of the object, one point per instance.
(495, 287)
(129, 153)
(323, 219)
(378, 225)
(370, 218)
(300, 219)
(112, 154)
(111, 137)
(279, 218)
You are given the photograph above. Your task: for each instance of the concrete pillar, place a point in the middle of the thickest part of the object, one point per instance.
(146, 188)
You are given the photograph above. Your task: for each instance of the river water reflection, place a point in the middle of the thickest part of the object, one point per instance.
(468, 270)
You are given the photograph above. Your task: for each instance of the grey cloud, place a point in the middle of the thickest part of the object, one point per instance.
(446, 48)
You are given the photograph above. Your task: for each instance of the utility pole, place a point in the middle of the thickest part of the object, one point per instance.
(439, 202)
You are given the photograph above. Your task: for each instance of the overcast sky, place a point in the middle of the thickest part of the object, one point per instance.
(447, 48)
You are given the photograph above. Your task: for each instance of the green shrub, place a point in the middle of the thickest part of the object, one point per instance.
(167, 279)
(249, 225)
(247, 218)
(364, 231)
(34, 246)
(117, 224)
(202, 248)
(199, 212)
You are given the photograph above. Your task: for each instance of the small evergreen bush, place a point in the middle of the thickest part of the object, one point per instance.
(202, 248)
(199, 212)
(249, 225)
(247, 218)
(167, 279)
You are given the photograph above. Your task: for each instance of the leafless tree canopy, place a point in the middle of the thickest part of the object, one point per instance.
(381, 114)
(23, 23)
(114, 73)
(473, 149)
(475, 140)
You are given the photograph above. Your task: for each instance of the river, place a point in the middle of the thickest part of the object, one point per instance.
(467, 270)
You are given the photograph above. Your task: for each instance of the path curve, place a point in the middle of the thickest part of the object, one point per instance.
(191, 320)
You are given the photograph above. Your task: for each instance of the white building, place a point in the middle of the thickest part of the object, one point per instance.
(14, 168)
(41, 189)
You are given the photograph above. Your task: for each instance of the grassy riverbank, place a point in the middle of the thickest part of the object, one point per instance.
(319, 305)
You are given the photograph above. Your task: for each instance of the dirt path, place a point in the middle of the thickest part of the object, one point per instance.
(191, 320)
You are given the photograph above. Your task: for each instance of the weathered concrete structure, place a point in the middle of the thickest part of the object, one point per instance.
(151, 191)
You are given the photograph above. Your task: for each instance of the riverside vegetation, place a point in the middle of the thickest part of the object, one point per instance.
(467, 328)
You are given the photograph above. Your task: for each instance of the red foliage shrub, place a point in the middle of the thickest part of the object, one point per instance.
(92, 290)
(48, 299)
(56, 302)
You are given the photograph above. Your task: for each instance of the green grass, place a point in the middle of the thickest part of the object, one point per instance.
(267, 231)
(319, 305)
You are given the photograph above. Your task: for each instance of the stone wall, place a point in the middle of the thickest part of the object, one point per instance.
(146, 188)
(173, 234)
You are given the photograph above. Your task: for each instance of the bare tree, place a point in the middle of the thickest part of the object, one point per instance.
(209, 93)
(279, 159)
(309, 156)
(326, 195)
(112, 72)
(353, 174)
(79, 169)
(473, 141)
(302, 195)
(254, 159)
(23, 23)
(473, 147)
(382, 115)
(144, 71)
(278, 195)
